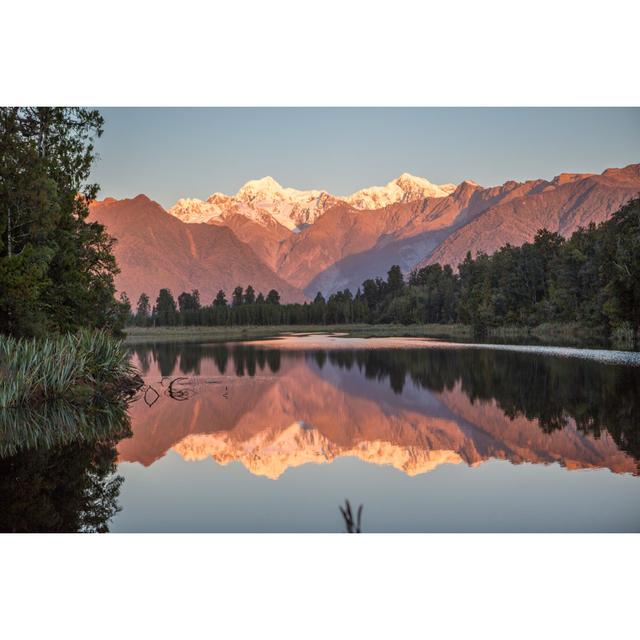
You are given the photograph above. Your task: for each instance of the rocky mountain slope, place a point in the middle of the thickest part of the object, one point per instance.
(314, 241)
(567, 202)
(400, 234)
(156, 250)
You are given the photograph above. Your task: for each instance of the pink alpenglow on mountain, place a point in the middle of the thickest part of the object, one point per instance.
(155, 250)
(564, 204)
(301, 242)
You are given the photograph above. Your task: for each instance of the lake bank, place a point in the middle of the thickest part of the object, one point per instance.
(136, 335)
(77, 368)
(555, 334)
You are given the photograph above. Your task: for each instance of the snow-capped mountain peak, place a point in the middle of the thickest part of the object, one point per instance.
(193, 210)
(405, 188)
(264, 188)
(265, 200)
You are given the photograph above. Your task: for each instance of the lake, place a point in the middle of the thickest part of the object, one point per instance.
(275, 435)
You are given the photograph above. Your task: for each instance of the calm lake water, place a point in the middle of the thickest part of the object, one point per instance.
(275, 435)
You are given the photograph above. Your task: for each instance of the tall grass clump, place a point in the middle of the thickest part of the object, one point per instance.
(40, 370)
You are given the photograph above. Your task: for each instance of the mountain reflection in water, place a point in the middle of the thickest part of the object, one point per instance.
(413, 409)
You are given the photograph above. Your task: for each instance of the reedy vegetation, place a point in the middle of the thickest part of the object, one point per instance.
(77, 367)
(56, 424)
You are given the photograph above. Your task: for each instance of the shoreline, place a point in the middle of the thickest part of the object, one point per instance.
(135, 335)
(552, 334)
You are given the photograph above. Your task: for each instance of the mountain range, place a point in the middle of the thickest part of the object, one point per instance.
(301, 242)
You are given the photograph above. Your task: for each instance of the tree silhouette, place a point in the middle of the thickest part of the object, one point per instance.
(142, 308)
(220, 299)
(237, 297)
(273, 297)
(249, 295)
(165, 308)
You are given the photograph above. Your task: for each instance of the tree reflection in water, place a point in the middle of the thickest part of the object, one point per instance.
(57, 468)
(551, 390)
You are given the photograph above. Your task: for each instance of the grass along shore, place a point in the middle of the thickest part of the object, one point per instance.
(550, 333)
(137, 335)
(77, 368)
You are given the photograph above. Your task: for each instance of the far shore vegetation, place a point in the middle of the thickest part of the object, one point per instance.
(567, 334)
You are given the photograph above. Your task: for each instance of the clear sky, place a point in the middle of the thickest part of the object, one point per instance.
(171, 153)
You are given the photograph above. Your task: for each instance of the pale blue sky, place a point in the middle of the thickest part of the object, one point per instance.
(170, 153)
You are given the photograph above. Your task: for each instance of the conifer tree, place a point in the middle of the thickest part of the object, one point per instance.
(165, 308)
(249, 295)
(220, 299)
(142, 308)
(125, 308)
(273, 297)
(237, 297)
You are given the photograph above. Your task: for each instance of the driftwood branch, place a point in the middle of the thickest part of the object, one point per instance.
(180, 394)
(150, 395)
(152, 402)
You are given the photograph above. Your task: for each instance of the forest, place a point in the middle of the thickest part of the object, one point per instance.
(591, 278)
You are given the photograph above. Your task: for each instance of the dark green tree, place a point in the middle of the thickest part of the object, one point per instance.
(189, 301)
(237, 297)
(621, 266)
(142, 309)
(220, 299)
(125, 308)
(395, 280)
(165, 308)
(273, 297)
(249, 295)
(318, 310)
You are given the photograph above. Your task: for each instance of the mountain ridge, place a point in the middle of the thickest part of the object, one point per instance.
(302, 242)
(155, 250)
(292, 208)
